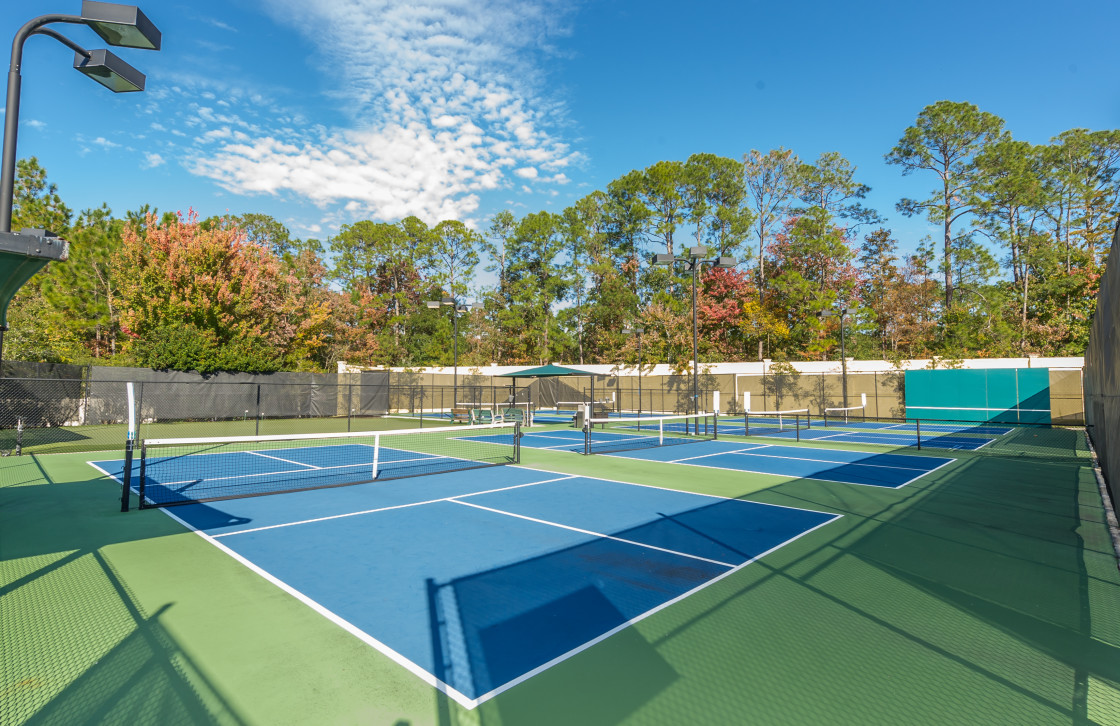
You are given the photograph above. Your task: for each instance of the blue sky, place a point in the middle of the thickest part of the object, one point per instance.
(325, 112)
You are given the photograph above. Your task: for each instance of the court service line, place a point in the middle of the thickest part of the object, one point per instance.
(830, 461)
(705, 456)
(795, 477)
(588, 531)
(386, 509)
(686, 491)
(286, 461)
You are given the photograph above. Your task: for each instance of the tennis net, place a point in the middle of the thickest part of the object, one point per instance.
(851, 413)
(181, 471)
(773, 423)
(605, 435)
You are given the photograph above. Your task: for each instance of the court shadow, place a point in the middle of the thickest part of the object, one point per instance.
(532, 623)
(127, 668)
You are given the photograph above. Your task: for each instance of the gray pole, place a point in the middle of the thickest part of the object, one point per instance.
(638, 373)
(695, 345)
(843, 363)
(455, 332)
(11, 113)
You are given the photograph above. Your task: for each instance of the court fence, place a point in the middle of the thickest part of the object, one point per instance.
(1102, 376)
(55, 408)
(56, 415)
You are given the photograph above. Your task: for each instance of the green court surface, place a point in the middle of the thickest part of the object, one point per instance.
(986, 592)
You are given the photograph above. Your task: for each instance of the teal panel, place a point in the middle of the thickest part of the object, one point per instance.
(1003, 388)
(1034, 395)
(1012, 395)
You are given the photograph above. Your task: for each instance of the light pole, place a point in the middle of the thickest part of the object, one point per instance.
(456, 308)
(841, 313)
(24, 254)
(694, 259)
(637, 330)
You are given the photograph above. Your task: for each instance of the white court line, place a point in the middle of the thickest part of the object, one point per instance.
(705, 456)
(830, 461)
(386, 509)
(286, 461)
(770, 473)
(682, 491)
(588, 531)
(266, 473)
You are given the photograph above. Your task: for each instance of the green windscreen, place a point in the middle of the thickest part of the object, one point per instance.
(1011, 395)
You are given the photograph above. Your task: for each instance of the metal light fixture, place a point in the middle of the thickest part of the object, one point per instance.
(841, 313)
(110, 71)
(694, 261)
(121, 25)
(456, 307)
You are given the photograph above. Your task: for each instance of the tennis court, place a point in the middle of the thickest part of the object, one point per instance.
(836, 465)
(476, 581)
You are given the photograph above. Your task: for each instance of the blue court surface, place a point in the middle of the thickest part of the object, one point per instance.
(477, 580)
(888, 438)
(836, 465)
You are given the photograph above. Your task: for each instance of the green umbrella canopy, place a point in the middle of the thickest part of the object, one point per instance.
(543, 371)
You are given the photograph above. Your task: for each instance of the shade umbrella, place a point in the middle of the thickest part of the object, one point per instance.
(549, 371)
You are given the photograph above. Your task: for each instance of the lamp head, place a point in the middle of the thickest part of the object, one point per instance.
(110, 71)
(698, 251)
(725, 263)
(433, 304)
(121, 25)
(664, 259)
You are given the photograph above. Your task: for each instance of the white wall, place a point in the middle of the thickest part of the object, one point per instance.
(757, 368)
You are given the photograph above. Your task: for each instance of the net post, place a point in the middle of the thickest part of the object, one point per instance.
(349, 406)
(808, 418)
(715, 426)
(661, 431)
(258, 416)
(918, 428)
(516, 442)
(586, 433)
(143, 475)
(824, 417)
(746, 423)
(376, 453)
(19, 436)
(126, 483)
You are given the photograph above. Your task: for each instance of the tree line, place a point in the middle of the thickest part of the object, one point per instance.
(1023, 234)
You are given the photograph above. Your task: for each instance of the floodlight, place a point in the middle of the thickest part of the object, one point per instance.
(699, 251)
(664, 259)
(110, 71)
(121, 25)
(725, 262)
(448, 301)
(433, 304)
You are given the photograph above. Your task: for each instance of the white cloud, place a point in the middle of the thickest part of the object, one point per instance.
(104, 143)
(152, 160)
(444, 99)
(35, 123)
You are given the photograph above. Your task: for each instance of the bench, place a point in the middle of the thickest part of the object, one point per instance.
(460, 415)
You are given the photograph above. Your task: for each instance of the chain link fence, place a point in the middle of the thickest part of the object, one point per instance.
(56, 415)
